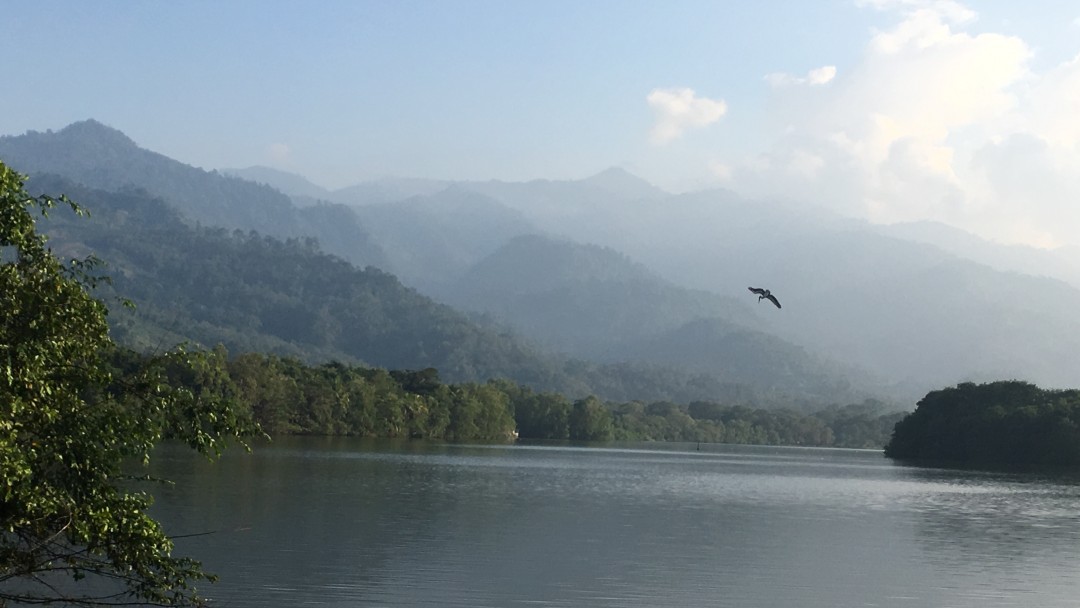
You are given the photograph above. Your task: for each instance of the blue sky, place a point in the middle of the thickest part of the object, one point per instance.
(894, 110)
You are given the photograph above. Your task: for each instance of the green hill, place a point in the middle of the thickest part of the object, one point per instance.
(198, 257)
(596, 303)
(254, 293)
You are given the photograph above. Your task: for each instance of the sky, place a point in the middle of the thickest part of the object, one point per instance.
(966, 113)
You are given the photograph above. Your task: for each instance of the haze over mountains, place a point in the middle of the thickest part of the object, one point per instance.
(611, 269)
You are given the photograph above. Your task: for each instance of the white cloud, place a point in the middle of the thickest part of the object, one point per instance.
(938, 119)
(805, 164)
(950, 9)
(822, 75)
(1055, 105)
(279, 152)
(815, 77)
(680, 109)
(721, 170)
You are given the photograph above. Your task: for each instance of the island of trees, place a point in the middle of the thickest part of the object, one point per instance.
(1007, 423)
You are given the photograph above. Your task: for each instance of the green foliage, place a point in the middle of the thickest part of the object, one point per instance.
(590, 421)
(999, 423)
(68, 426)
(541, 415)
(288, 397)
(860, 425)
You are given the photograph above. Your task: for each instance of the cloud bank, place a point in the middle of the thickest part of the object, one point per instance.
(815, 77)
(279, 152)
(936, 120)
(680, 109)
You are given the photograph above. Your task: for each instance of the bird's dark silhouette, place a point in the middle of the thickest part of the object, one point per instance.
(766, 294)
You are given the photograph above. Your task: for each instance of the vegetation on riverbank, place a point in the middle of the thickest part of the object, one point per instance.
(73, 529)
(1006, 423)
(287, 396)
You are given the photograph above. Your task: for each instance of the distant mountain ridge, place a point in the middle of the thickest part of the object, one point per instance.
(431, 240)
(98, 156)
(921, 309)
(1014, 258)
(909, 311)
(296, 186)
(250, 292)
(596, 303)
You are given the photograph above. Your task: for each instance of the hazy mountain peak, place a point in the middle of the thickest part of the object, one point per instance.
(1056, 263)
(387, 190)
(84, 151)
(622, 183)
(91, 129)
(89, 139)
(100, 157)
(615, 173)
(549, 262)
(289, 183)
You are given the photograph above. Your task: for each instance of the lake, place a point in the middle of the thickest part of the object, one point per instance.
(345, 522)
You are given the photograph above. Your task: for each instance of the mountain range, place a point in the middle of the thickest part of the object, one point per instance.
(614, 271)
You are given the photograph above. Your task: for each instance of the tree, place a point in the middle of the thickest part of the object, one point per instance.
(1004, 423)
(72, 528)
(590, 420)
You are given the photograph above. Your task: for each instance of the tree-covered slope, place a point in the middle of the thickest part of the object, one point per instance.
(207, 282)
(432, 240)
(905, 310)
(596, 303)
(256, 293)
(908, 311)
(581, 298)
(738, 354)
(288, 183)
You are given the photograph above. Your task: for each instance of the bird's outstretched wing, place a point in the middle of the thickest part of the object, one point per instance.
(773, 299)
(759, 291)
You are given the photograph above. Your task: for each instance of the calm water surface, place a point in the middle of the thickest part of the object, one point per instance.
(362, 523)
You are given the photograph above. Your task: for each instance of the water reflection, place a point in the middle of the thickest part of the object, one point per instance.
(1010, 524)
(348, 523)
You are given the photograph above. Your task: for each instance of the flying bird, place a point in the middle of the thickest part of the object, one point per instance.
(766, 294)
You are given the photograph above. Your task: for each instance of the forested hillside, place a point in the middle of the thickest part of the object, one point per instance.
(584, 299)
(430, 241)
(254, 293)
(595, 303)
(914, 313)
(910, 313)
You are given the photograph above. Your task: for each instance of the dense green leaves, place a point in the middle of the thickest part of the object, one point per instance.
(72, 529)
(289, 397)
(999, 423)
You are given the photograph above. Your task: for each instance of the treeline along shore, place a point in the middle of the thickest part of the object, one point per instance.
(997, 424)
(288, 397)
(1003, 423)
